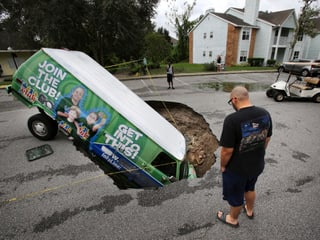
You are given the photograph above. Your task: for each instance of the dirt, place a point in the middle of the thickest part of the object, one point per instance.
(201, 142)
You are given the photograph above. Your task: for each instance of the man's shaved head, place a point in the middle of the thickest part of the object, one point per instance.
(240, 92)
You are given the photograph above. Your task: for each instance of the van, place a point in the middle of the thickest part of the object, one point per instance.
(109, 123)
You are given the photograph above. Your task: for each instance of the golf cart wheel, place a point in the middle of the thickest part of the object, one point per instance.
(316, 98)
(269, 93)
(42, 127)
(305, 72)
(278, 96)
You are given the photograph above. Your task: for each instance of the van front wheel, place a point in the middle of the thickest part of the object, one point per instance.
(42, 127)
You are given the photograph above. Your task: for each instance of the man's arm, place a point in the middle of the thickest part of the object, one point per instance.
(267, 142)
(225, 156)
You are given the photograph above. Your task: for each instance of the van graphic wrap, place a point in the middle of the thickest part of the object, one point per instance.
(79, 112)
(100, 114)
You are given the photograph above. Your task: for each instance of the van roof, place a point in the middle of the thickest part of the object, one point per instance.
(121, 98)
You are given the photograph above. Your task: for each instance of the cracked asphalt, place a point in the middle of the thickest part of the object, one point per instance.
(66, 196)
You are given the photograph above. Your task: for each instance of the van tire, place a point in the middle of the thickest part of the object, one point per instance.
(305, 73)
(42, 127)
(281, 69)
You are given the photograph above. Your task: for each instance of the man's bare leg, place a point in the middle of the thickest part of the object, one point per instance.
(232, 217)
(250, 198)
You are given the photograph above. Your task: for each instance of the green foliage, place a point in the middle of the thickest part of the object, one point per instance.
(157, 48)
(271, 62)
(183, 25)
(165, 33)
(101, 28)
(254, 62)
(210, 66)
(306, 22)
(184, 67)
(154, 65)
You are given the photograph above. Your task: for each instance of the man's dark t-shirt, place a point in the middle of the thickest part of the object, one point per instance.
(246, 131)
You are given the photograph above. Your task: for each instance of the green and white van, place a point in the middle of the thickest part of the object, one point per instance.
(129, 140)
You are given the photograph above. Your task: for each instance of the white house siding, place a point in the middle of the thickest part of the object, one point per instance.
(216, 44)
(263, 46)
(297, 47)
(290, 22)
(266, 45)
(311, 48)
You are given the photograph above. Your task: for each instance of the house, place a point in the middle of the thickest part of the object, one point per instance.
(239, 34)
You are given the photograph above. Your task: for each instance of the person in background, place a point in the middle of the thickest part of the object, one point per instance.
(170, 74)
(219, 63)
(245, 136)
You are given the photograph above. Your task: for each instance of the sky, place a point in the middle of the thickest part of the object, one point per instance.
(164, 6)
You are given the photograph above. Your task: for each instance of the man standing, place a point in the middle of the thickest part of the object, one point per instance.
(245, 136)
(170, 75)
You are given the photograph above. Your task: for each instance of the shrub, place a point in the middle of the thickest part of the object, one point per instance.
(271, 62)
(153, 65)
(210, 66)
(256, 62)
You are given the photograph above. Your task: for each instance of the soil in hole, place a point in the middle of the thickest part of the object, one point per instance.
(201, 142)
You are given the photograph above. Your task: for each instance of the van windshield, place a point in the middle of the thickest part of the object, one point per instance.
(165, 164)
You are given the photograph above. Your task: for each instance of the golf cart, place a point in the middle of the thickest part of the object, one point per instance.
(300, 87)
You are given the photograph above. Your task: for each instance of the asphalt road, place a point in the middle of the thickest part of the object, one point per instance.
(66, 196)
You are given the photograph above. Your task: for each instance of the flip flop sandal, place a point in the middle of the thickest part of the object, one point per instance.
(224, 220)
(245, 211)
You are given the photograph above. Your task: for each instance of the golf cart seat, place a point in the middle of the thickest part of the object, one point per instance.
(310, 83)
(312, 80)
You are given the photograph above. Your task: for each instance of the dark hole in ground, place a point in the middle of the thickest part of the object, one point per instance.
(201, 142)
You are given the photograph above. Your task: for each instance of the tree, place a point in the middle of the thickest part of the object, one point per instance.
(183, 25)
(157, 47)
(306, 24)
(101, 28)
(165, 33)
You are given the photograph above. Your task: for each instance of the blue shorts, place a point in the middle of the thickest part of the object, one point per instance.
(234, 187)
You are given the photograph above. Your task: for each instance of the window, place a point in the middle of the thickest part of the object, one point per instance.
(245, 34)
(296, 54)
(204, 53)
(284, 32)
(243, 56)
(204, 35)
(211, 34)
(165, 164)
(210, 54)
(300, 37)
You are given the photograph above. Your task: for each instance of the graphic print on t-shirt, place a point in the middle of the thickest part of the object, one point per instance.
(254, 133)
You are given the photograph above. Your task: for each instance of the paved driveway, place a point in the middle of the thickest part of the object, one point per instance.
(65, 196)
